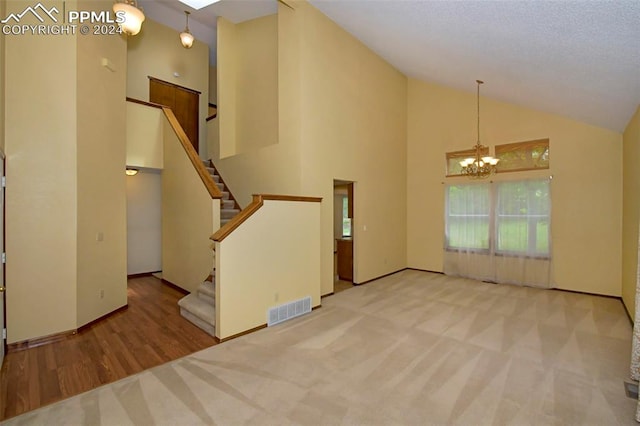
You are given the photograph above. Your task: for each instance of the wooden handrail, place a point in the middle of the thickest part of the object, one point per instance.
(208, 181)
(273, 197)
(138, 101)
(258, 201)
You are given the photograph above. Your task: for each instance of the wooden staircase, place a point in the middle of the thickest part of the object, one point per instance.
(199, 307)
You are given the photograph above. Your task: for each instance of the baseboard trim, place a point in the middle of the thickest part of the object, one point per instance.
(105, 316)
(175, 287)
(381, 276)
(235, 336)
(327, 295)
(40, 341)
(424, 270)
(142, 274)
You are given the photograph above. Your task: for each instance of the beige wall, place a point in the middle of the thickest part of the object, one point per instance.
(281, 242)
(156, 51)
(586, 206)
(213, 85)
(330, 127)
(248, 67)
(226, 84)
(630, 211)
(257, 83)
(189, 217)
(101, 153)
(275, 168)
(346, 135)
(144, 136)
(41, 207)
(144, 222)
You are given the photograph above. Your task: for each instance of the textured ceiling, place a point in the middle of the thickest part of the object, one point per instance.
(580, 59)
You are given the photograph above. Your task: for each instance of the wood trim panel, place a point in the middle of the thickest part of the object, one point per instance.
(173, 84)
(40, 341)
(208, 181)
(149, 104)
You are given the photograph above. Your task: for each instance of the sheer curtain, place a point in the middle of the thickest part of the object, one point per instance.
(499, 232)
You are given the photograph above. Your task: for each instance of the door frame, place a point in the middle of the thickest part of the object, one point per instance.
(351, 213)
(3, 293)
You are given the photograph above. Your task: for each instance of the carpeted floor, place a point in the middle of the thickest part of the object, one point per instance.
(411, 348)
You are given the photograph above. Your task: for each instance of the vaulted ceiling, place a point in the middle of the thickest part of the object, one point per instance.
(580, 59)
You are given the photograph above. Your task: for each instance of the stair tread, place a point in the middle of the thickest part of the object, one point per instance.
(208, 288)
(198, 307)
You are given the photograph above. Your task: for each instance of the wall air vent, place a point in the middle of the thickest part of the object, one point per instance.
(285, 312)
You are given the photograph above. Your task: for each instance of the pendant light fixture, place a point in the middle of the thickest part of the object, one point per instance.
(186, 38)
(479, 167)
(132, 15)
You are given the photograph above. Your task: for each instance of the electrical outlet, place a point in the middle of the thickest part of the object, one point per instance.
(101, 293)
(276, 296)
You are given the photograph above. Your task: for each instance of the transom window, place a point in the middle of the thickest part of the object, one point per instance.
(518, 156)
(514, 157)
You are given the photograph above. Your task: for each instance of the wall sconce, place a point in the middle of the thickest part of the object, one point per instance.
(130, 171)
(133, 16)
(186, 38)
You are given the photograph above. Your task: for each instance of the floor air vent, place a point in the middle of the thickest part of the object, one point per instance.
(281, 313)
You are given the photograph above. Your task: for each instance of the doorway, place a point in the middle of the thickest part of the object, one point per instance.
(343, 234)
(184, 102)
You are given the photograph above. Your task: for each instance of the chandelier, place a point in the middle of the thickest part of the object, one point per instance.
(479, 167)
(132, 16)
(186, 38)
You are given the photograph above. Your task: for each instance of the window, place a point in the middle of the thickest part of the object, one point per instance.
(346, 220)
(468, 216)
(522, 217)
(530, 155)
(509, 218)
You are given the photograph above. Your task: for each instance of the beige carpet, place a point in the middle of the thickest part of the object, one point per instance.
(412, 348)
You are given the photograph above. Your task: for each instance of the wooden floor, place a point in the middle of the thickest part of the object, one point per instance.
(149, 333)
